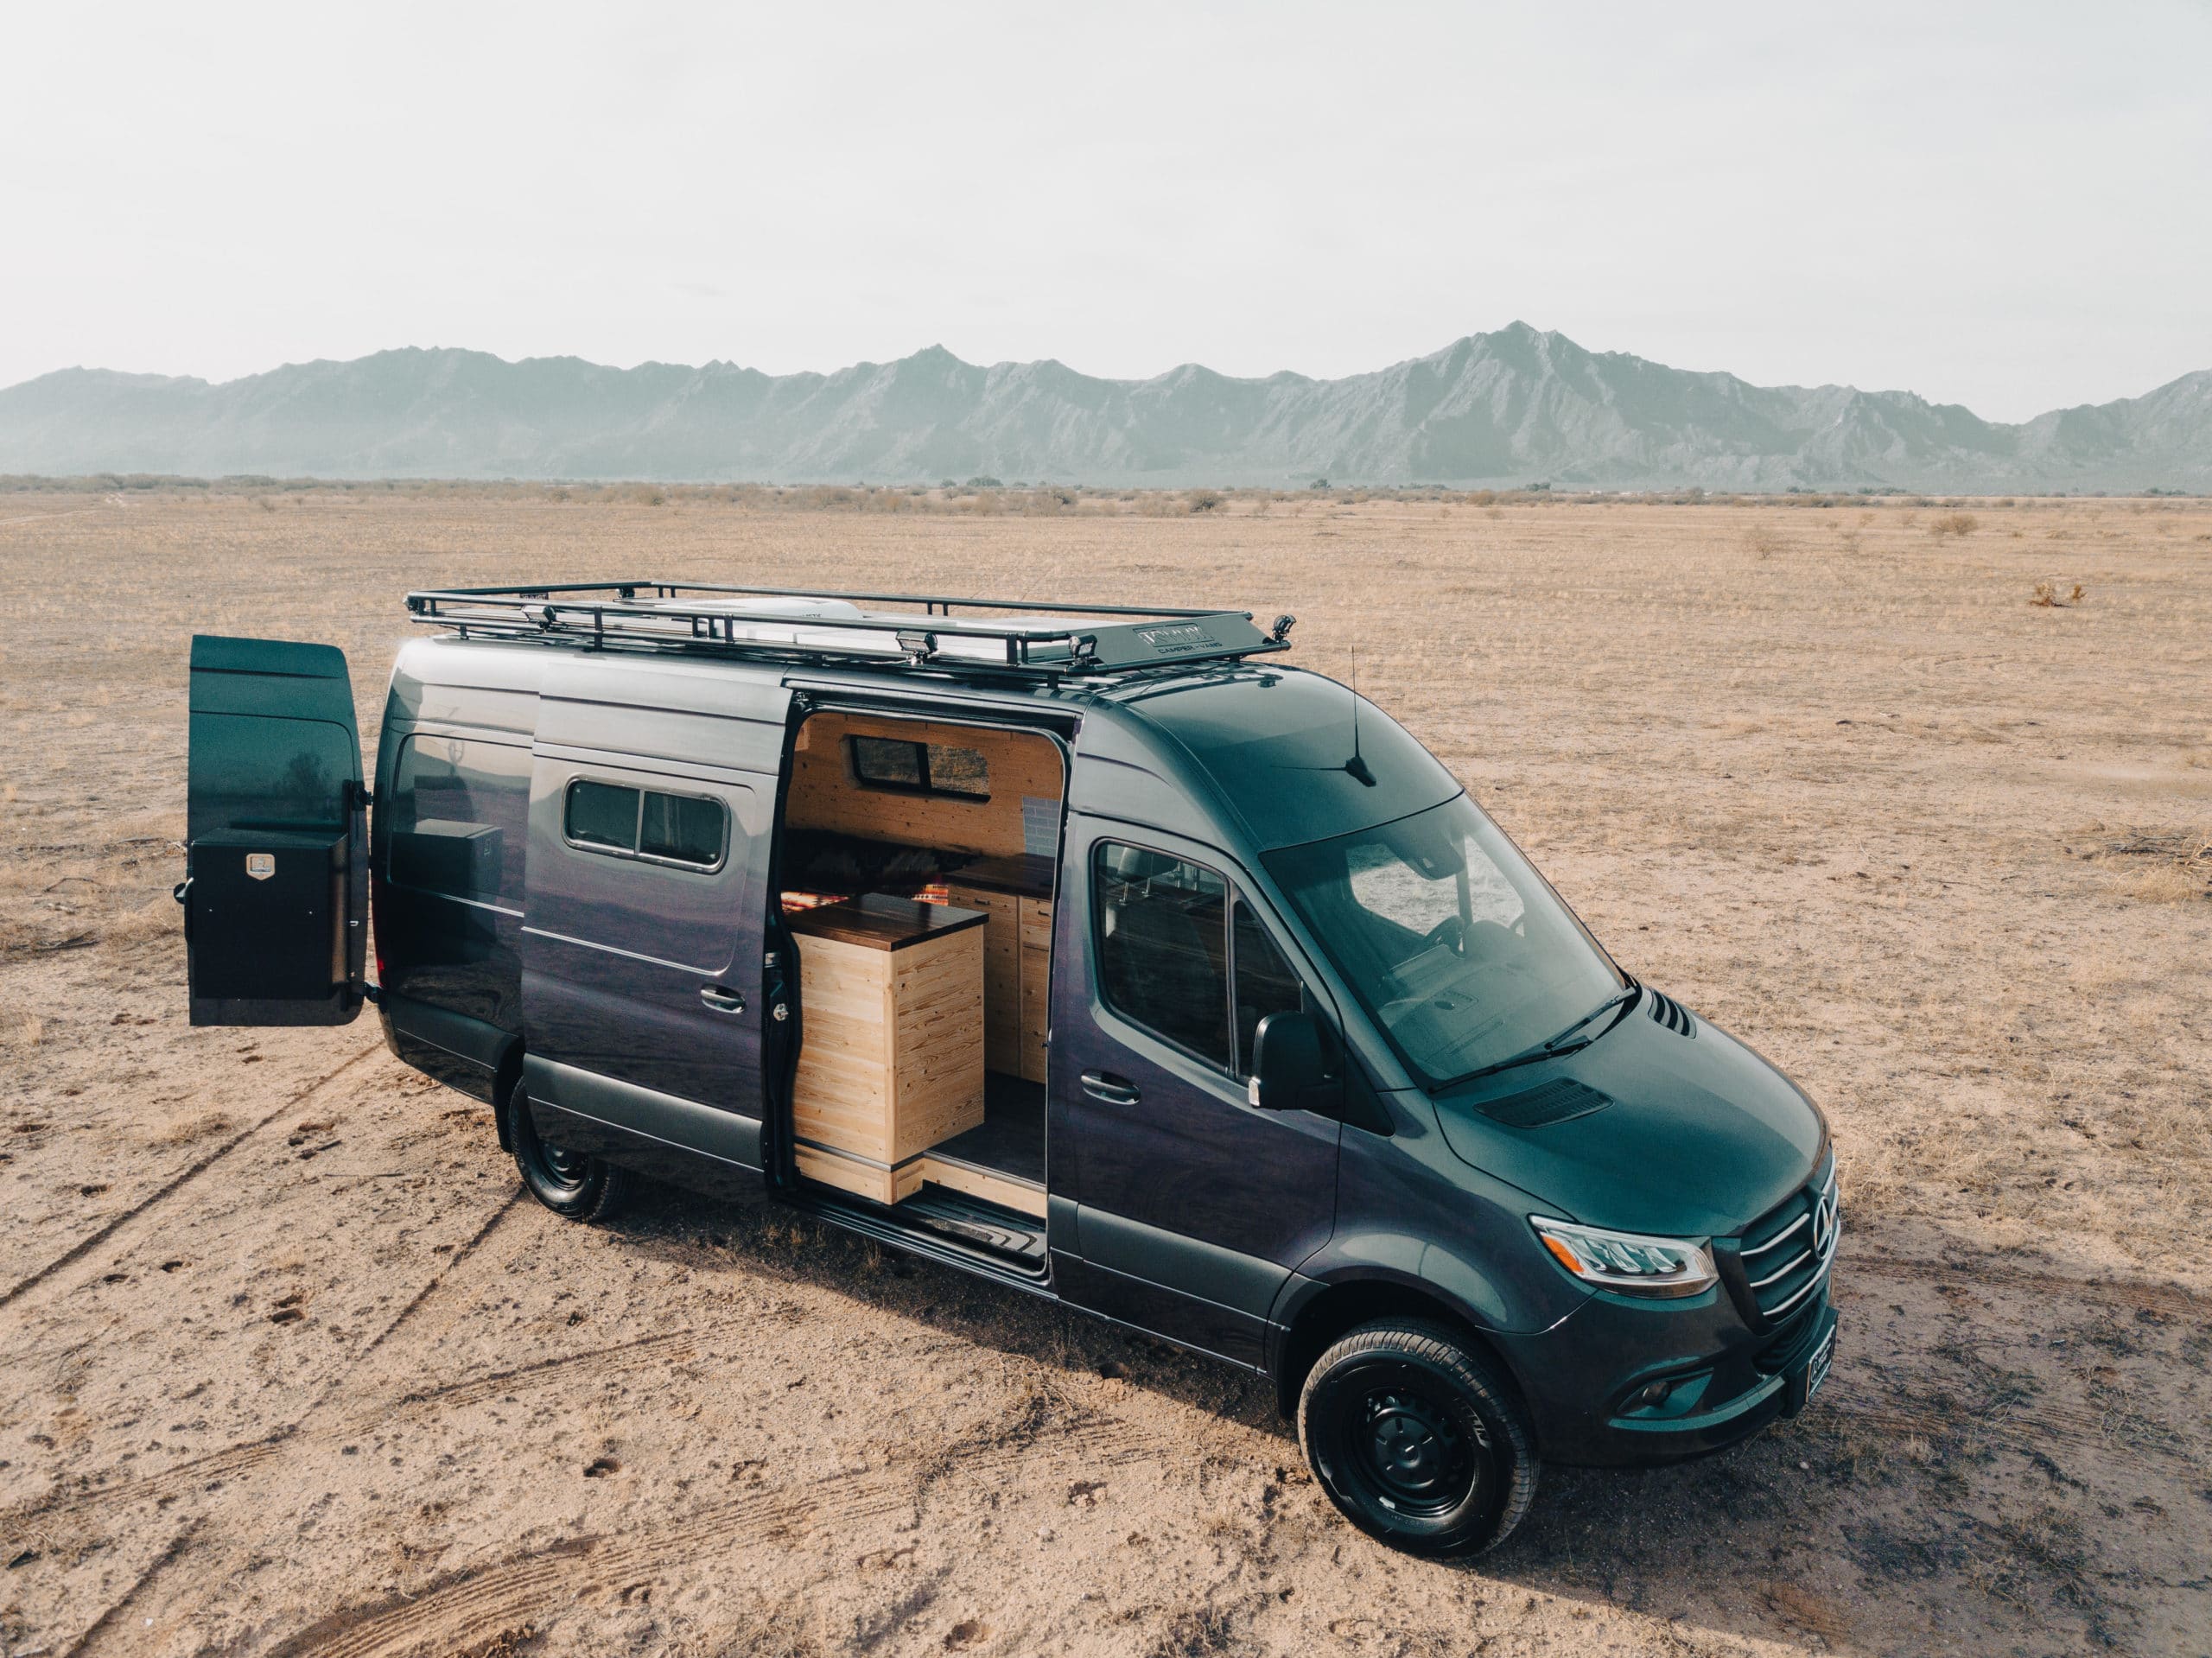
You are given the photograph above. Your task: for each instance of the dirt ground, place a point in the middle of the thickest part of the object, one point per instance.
(291, 1368)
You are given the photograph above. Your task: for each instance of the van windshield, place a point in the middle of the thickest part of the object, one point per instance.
(1455, 944)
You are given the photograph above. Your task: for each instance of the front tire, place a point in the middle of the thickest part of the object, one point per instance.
(572, 1185)
(1417, 1440)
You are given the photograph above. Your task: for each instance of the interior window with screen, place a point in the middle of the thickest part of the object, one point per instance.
(920, 768)
(461, 819)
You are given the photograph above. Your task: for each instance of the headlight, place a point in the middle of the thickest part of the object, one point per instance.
(1626, 1263)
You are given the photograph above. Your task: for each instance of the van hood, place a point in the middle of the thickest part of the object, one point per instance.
(1665, 1124)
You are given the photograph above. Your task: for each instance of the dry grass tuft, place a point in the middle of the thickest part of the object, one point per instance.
(2047, 595)
(200, 1125)
(1953, 523)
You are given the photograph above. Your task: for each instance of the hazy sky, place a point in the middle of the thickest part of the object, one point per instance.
(2008, 205)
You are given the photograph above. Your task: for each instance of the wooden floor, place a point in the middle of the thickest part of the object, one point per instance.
(1001, 1160)
(1011, 1138)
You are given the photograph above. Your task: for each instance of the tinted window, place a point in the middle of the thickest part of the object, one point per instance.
(1457, 946)
(1265, 983)
(1163, 960)
(603, 814)
(921, 768)
(677, 829)
(687, 828)
(460, 818)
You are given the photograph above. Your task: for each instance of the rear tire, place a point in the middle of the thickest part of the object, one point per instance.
(572, 1185)
(1417, 1440)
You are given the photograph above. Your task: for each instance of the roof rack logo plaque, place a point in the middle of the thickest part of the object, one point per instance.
(260, 866)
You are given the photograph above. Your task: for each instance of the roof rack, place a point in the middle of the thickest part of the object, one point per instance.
(812, 625)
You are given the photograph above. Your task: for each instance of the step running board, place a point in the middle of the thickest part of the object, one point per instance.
(980, 1225)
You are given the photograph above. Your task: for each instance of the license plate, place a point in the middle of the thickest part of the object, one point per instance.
(1816, 1368)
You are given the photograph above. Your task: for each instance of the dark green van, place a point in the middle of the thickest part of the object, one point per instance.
(1092, 951)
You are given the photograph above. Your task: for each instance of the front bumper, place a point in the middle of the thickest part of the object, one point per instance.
(1622, 1383)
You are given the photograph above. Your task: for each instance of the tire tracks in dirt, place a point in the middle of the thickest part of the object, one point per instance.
(649, 1353)
(2030, 1428)
(294, 1433)
(478, 1603)
(2168, 1298)
(2029, 1431)
(116, 1608)
(83, 1246)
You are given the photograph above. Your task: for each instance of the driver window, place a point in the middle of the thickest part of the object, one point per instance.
(1163, 959)
(1184, 953)
(1265, 983)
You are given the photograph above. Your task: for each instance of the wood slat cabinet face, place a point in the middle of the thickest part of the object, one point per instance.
(892, 1059)
(1017, 956)
(1036, 923)
(1036, 1008)
(1001, 972)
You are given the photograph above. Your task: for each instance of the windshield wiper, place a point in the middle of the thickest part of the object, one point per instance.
(1553, 1047)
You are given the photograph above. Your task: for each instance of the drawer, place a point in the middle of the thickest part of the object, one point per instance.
(1036, 923)
(1000, 906)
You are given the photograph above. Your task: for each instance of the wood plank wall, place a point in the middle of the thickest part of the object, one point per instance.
(824, 795)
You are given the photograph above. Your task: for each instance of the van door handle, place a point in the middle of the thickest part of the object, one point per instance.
(1105, 1085)
(721, 1001)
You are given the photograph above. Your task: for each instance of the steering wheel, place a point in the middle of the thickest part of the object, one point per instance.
(1448, 932)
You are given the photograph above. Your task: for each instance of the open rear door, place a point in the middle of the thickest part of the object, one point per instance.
(275, 892)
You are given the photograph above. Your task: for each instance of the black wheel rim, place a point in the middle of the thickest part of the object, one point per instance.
(555, 1167)
(568, 1168)
(1406, 1444)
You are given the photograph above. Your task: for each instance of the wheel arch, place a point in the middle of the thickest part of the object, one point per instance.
(1325, 1314)
(504, 1081)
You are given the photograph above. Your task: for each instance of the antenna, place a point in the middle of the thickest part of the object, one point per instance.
(1356, 766)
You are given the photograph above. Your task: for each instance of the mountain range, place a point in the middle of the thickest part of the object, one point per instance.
(1512, 407)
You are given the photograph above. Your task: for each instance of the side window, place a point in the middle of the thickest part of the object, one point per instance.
(1162, 933)
(1182, 952)
(683, 828)
(460, 818)
(602, 815)
(1265, 983)
(689, 830)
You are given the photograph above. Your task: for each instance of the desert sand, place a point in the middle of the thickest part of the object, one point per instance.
(292, 1368)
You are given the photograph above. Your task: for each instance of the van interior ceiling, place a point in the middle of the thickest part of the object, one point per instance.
(919, 858)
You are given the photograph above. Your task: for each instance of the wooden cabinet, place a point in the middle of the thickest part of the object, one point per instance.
(1015, 895)
(892, 994)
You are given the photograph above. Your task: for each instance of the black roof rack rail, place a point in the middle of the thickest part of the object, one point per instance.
(812, 625)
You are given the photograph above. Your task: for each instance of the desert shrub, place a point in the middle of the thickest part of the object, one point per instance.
(1203, 500)
(1764, 541)
(2047, 595)
(1953, 523)
(982, 482)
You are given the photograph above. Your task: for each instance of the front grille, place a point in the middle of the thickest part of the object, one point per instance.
(1782, 1257)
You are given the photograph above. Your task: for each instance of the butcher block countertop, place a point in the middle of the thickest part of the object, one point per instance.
(878, 921)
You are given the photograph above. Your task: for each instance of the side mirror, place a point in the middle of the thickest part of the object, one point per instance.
(1287, 1073)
